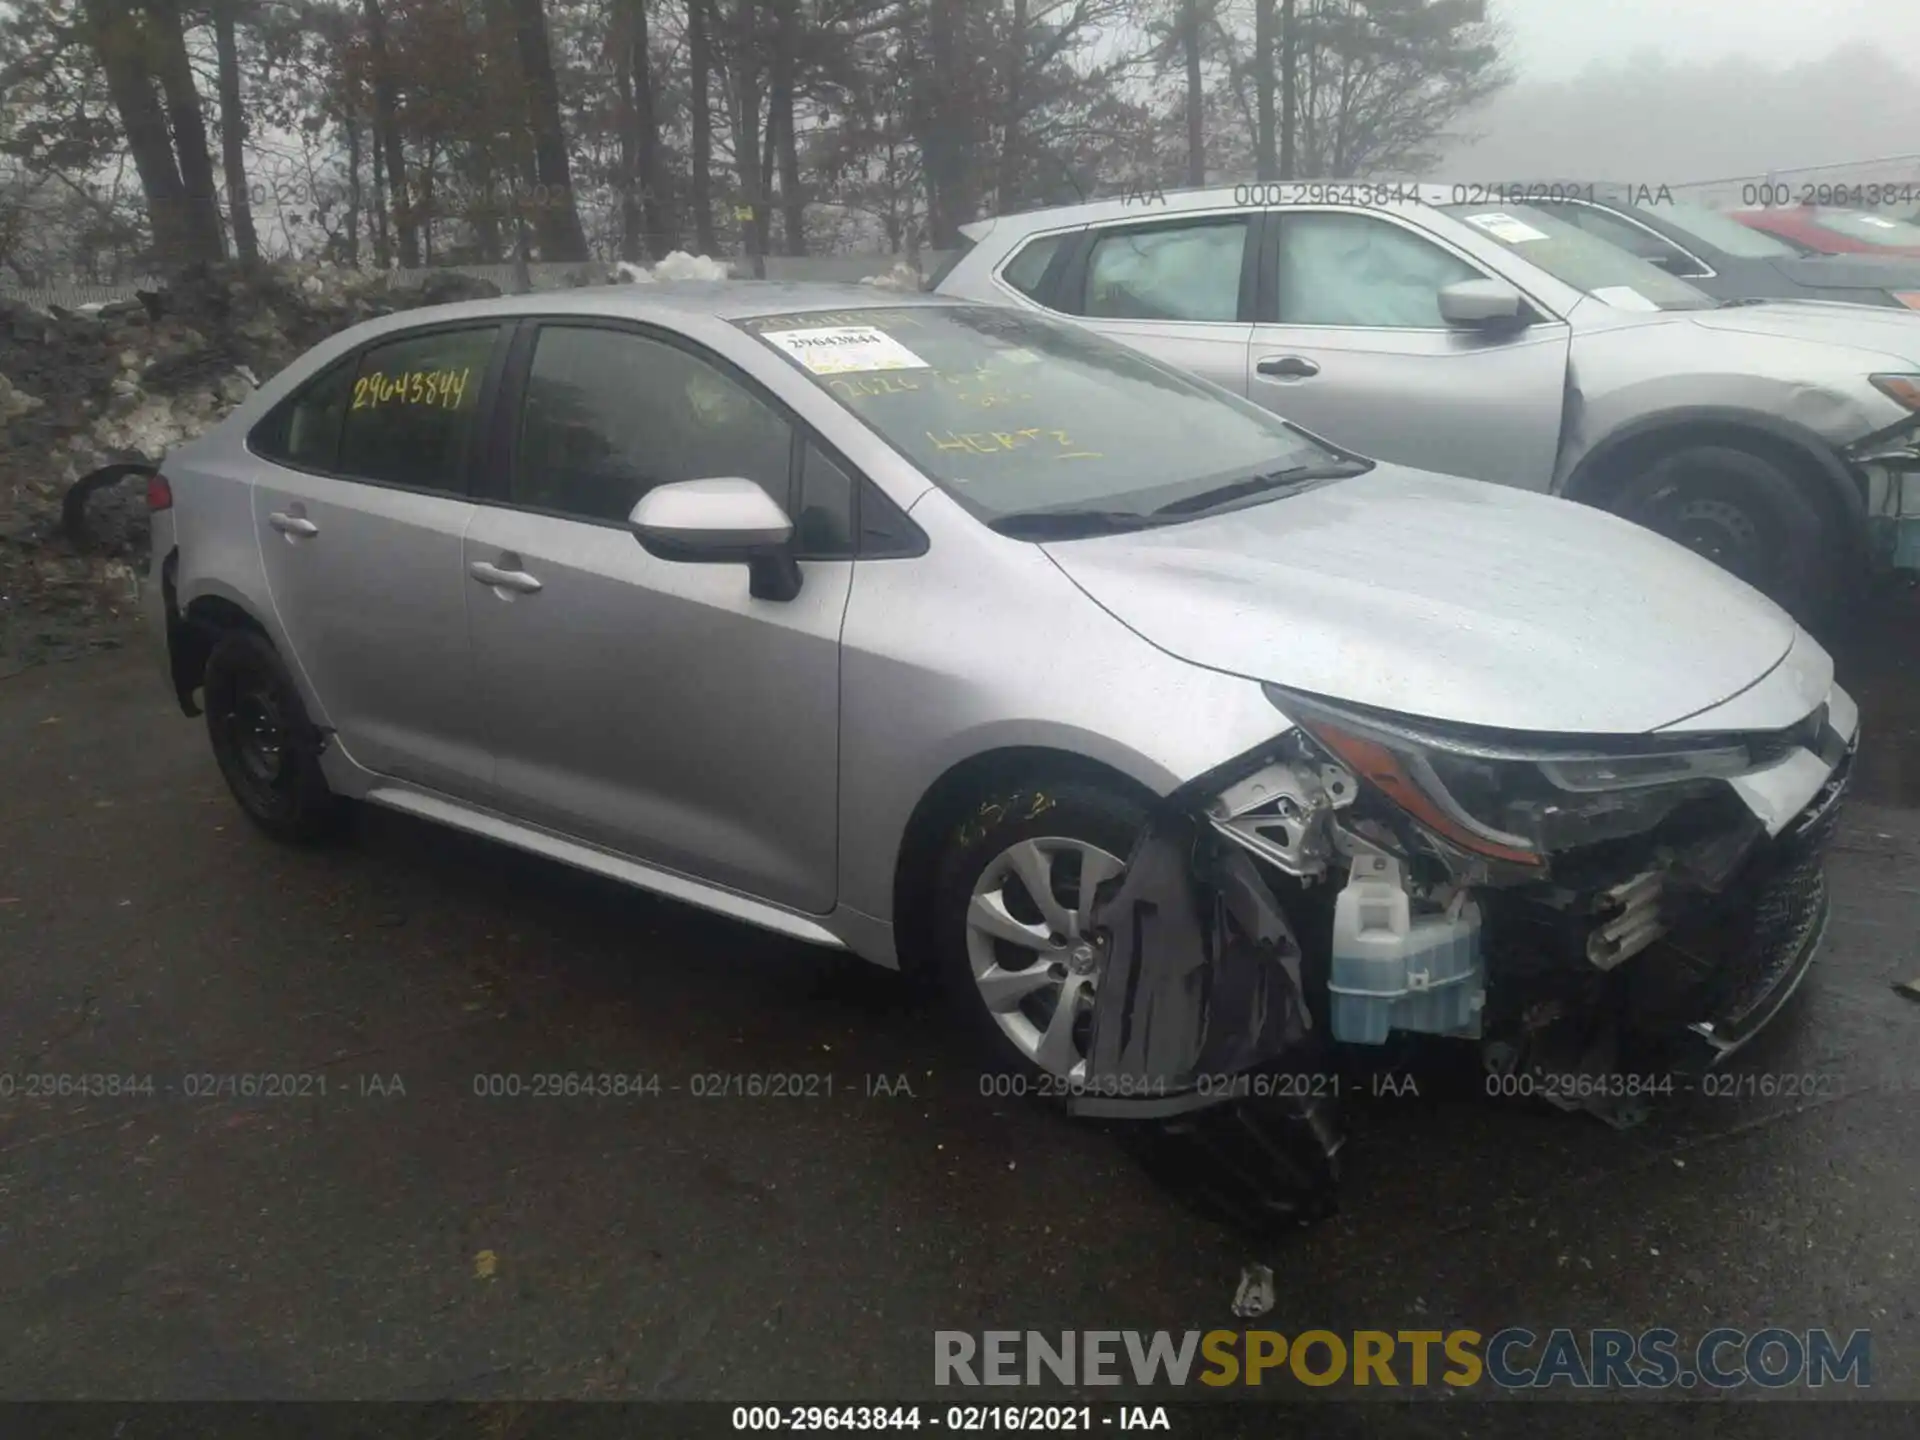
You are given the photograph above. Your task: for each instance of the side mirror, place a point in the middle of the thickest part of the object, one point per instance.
(1482, 305)
(720, 521)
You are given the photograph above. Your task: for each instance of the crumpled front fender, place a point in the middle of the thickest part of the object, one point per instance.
(1201, 978)
(1201, 991)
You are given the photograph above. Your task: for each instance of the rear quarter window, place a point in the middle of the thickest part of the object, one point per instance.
(1028, 269)
(303, 430)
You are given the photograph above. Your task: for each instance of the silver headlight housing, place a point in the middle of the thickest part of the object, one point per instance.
(1519, 799)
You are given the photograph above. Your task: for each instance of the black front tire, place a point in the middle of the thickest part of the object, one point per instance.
(1746, 513)
(267, 747)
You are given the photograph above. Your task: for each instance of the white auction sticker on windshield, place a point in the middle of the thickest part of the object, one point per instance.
(844, 349)
(1623, 297)
(1505, 227)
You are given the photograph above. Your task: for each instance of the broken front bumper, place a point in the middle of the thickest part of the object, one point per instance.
(1204, 968)
(1761, 946)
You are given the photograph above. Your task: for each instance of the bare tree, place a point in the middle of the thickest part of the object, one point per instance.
(233, 131)
(556, 218)
(386, 123)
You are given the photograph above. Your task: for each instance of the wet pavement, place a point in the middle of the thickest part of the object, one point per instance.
(393, 1230)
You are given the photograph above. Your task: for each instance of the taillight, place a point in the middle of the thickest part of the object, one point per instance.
(159, 492)
(1908, 298)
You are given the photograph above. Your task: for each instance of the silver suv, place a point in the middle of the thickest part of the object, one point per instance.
(1172, 740)
(1455, 328)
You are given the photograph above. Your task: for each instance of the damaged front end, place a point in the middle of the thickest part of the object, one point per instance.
(1581, 910)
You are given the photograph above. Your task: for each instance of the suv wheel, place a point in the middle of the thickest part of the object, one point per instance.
(267, 748)
(1747, 515)
(1012, 897)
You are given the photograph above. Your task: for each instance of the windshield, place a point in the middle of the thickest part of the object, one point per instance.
(1874, 229)
(1723, 232)
(1012, 413)
(1575, 257)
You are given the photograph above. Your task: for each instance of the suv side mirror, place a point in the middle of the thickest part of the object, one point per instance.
(721, 521)
(1482, 305)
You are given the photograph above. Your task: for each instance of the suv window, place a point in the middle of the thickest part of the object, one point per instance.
(1628, 236)
(1168, 272)
(303, 430)
(1027, 269)
(411, 407)
(609, 414)
(1338, 269)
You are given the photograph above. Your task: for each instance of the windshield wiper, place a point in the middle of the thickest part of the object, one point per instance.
(1069, 524)
(1293, 477)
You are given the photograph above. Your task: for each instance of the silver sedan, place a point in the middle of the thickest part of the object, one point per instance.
(1175, 741)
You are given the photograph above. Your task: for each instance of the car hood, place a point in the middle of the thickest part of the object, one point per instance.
(1851, 272)
(1880, 328)
(1446, 599)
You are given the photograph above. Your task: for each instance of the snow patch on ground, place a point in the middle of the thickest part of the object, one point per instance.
(682, 266)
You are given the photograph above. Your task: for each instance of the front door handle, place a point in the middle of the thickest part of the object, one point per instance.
(517, 580)
(292, 524)
(1288, 367)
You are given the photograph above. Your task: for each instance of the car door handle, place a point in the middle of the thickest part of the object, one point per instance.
(292, 524)
(1288, 367)
(488, 574)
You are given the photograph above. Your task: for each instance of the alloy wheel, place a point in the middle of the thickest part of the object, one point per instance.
(1033, 959)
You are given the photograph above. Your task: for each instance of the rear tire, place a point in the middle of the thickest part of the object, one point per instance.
(1008, 991)
(1748, 515)
(267, 748)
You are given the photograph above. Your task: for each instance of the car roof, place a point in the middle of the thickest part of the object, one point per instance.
(664, 299)
(1148, 202)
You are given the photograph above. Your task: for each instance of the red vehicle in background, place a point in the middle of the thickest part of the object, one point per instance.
(1830, 230)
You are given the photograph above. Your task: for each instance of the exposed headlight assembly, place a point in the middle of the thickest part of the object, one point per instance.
(1515, 802)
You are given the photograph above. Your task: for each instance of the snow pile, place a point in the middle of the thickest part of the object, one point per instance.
(681, 266)
(128, 380)
(901, 277)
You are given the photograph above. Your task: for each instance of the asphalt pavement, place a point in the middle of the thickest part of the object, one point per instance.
(390, 1227)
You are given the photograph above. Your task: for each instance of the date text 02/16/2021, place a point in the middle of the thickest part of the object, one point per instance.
(962, 1419)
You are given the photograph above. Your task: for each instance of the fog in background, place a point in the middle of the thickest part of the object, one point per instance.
(1684, 90)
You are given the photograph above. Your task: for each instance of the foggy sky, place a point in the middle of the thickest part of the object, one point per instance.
(1555, 39)
(1673, 91)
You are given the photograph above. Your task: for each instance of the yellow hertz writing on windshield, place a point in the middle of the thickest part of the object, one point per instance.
(1509, 1359)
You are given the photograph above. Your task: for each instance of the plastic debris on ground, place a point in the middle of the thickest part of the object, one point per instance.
(1254, 1297)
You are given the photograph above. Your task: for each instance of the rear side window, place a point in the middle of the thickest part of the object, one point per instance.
(303, 430)
(1169, 272)
(411, 406)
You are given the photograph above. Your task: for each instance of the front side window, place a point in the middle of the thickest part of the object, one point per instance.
(1874, 229)
(411, 407)
(1341, 269)
(610, 414)
(1586, 262)
(1169, 272)
(1628, 236)
(1723, 232)
(1012, 412)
